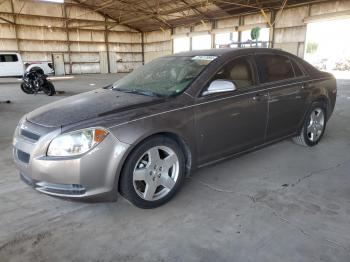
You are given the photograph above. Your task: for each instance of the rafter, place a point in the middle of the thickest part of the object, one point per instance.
(158, 14)
(6, 20)
(104, 14)
(167, 12)
(195, 9)
(117, 9)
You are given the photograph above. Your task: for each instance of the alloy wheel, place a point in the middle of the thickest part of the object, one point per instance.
(156, 173)
(316, 124)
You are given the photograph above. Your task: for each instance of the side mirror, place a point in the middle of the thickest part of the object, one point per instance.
(220, 86)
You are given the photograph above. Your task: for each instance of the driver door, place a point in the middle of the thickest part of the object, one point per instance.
(232, 121)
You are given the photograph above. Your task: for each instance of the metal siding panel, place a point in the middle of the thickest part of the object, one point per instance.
(58, 61)
(103, 63)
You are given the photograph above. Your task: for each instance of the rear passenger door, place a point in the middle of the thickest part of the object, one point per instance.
(287, 97)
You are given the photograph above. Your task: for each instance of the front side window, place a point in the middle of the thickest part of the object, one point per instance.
(239, 71)
(165, 76)
(274, 68)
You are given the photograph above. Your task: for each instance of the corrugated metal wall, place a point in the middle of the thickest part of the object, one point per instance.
(82, 35)
(157, 44)
(87, 39)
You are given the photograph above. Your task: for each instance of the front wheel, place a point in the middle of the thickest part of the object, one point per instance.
(314, 126)
(153, 173)
(26, 89)
(48, 88)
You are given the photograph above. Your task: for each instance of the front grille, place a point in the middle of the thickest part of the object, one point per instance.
(30, 135)
(23, 156)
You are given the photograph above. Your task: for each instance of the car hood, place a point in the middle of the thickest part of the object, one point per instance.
(89, 105)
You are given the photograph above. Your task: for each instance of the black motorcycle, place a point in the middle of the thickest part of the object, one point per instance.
(35, 81)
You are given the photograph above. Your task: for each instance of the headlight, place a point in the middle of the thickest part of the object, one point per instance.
(76, 143)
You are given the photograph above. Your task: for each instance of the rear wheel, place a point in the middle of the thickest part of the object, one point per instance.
(48, 88)
(153, 173)
(314, 126)
(26, 89)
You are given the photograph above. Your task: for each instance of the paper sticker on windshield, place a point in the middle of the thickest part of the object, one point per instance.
(204, 57)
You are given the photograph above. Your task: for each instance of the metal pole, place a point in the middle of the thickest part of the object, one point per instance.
(68, 41)
(143, 47)
(107, 45)
(213, 26)
(272, 28)
(16, 26)
(241, 22)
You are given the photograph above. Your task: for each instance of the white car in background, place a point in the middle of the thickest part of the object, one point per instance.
(11, 64)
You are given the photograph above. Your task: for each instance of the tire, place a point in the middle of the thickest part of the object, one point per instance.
(314, 126)
(148, 181)
(48, 88)
(26, 90)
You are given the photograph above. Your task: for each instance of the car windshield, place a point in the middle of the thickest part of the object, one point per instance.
(165, 76)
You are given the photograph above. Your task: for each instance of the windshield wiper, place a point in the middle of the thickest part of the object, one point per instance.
(139, 92)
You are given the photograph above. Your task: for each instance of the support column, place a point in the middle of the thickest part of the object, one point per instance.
(213, 26)
(301, 53)
(272, 28)
(143, 47)
(68, 40)
(15, 24)
(191, 30)
(241, 22)
(172, 40)
(107, 46)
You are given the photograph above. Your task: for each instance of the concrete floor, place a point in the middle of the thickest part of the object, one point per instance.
(282, 203)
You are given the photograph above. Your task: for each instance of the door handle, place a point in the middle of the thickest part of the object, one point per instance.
(304, 85)
(258, 97)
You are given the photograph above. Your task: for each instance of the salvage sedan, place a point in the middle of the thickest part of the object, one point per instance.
(141, 136)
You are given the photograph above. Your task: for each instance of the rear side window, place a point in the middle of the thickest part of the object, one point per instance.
(310, 70)
(297, 70)
(274, 68)
(8, 58)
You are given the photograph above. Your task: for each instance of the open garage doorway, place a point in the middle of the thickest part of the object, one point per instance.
(327, 46)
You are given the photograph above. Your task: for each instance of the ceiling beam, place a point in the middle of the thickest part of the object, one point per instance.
(6, 20)
(237, 4)
(104, 14)
(195, 9)
(109, 8)
(141, 14)
(167, 12)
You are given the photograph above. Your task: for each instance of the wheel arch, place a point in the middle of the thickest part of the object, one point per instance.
(175, 137)
(37, 66)
(320, 99)
(183, 145)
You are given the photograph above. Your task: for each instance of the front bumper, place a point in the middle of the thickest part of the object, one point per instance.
(94, 173)
(54, 189)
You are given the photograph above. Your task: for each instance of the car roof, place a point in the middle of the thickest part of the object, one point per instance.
(222, 51)
(8, 53)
